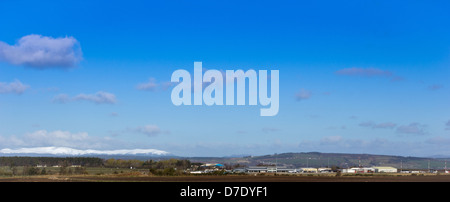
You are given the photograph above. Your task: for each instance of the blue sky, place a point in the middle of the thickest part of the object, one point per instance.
(355, 76)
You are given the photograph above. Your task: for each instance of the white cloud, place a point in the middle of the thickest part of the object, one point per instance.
(44, 138)
(58, 138)
(42, 52)
(63, 143)
(150, 130)
(98, 98)
(151, 85)
(16, 87)
(71, 151)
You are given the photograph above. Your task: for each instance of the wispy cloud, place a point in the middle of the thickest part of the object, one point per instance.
(331, 139)
(98, 98)
(15, 87)
(369, 72)
(61, 98)
(149, 130)
(42, 52)
(337, 127)
(60, 142)
(413, 128)
(270, 129)
(431, 146)
(152, 85)
(435, 87)
(386, 125)
(447, 125)
(60, 138)
(303, 94)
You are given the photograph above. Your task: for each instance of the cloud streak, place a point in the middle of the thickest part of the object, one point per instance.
(447, 125)
(368, 72)
(385, 125)
(435, 87)
(58, 138)
(413, 128)
(303, 95)
(149, 130)
(152, 85)
(42, 52)
(270, 130)
(98, 98)
(15, 87)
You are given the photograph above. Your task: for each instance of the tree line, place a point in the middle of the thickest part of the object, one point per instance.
(162, 164)
(37, 165)
(93, 162)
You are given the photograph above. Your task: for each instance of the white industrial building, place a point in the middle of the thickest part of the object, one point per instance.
(324, 170)
(384, 169)
(268, 169)
(358, 170)
(308, 170)
(378, 169)
(275, 169)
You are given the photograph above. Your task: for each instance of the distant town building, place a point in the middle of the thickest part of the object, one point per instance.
(268, 169)
(385, 169)
(324, 170)
(257, 169)
(308, 170)
(358, 170)
(239, 170)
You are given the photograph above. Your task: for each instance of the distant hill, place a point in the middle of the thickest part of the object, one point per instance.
(297, 160)
(316, 159)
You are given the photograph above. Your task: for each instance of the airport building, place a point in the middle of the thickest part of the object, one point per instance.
(268, 169)
(385, 169)
(358, 170)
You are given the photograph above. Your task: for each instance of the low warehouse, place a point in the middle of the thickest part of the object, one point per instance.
(385, 169)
